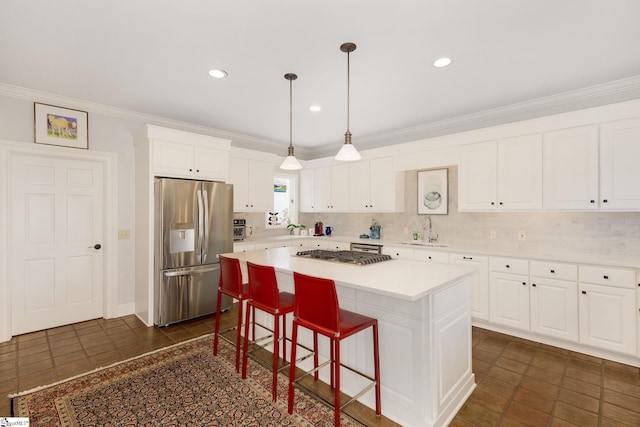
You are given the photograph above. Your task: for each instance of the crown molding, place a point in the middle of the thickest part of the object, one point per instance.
(592, 96)
(240, 140)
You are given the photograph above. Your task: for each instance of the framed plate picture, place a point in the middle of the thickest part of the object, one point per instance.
(60, 126)
(433, 191)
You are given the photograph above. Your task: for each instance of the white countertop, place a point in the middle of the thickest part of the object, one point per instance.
(402, 279)
(492, 249)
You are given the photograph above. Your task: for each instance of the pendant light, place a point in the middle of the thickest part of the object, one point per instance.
(290, 162)
(348, 152)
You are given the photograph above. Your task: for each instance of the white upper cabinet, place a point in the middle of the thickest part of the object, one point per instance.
(619, 171)
(252, 185)
(520, 173)
(502, 175)
(307, 190)
(478, 177)
(571, 168)
(331, 188)
(188, 160)
(375, 187)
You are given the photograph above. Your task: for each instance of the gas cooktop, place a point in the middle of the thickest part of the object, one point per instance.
(349, 257)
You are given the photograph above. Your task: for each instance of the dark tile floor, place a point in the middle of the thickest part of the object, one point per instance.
(520, 383)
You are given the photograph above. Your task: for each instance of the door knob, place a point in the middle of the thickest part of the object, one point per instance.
(96, 246)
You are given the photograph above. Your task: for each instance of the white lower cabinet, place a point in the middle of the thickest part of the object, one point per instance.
(607, 302)
(243, 247)
(431, 256)
(479, 283)
(554, 300)
(509, 292)
(398, 252)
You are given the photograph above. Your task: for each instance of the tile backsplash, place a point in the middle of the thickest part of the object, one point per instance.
(610, 233)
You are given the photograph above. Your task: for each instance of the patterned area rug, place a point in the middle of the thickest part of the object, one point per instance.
(183, 385)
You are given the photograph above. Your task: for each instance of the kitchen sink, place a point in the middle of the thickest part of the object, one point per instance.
(425, 244)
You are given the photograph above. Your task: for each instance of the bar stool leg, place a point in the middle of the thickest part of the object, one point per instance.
(315, 355)
(335, 371)
(274, 368)
(376, 367)
(245, 347)
(217, 327)
(292, 366)
(239, 336)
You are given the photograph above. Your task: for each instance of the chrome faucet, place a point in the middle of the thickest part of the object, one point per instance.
(429, 227)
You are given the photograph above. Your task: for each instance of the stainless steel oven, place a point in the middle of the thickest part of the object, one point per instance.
(239, 229)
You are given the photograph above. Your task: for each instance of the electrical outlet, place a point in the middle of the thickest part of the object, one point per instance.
(406, 230)
(124, 234)
(522, 235)
(493, 234)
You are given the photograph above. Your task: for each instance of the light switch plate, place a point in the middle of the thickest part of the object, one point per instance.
(124, 234)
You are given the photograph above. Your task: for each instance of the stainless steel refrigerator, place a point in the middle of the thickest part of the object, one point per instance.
(193, 224)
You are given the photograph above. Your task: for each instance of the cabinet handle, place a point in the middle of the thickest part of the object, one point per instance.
(524, 283)
(190, 170)
(492, 203)
(592, 201)
(533, 284)
(197, 170)
(553, 271)
(605, 201)
(584, 292)
(500, 203)
(430, 258)
(507, 266)
(606, 277)
(464, 257)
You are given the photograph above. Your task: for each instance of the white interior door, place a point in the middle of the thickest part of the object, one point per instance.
(56, 223)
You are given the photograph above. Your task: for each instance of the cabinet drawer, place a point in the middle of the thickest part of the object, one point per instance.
(397, 252)
(553, 270)
(610, 276)
(509, 265)
(431, 256)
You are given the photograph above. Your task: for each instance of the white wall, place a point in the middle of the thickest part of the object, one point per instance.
(105, 134)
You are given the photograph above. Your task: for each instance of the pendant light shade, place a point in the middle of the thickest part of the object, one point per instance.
(348, 152)
(290, 162)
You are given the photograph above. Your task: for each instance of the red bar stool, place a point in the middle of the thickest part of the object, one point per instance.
(316, 308)
(230, 283)
(264, 296)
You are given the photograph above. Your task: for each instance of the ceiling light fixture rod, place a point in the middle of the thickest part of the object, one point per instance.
(290, 162)
(348, 152)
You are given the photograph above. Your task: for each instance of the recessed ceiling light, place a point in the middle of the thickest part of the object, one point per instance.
(217, 73)
(441, 62)
(315, 108)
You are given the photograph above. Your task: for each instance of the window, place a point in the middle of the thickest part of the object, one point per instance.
(284, 202)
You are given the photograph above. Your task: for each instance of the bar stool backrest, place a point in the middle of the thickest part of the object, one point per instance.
(230, 275)
(263, 285)
(316, 302)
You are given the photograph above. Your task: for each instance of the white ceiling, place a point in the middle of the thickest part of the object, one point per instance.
(512, 59)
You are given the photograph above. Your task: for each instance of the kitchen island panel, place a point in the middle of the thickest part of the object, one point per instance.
(424, 317)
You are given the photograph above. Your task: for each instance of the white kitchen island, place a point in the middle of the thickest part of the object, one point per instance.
(424, 315)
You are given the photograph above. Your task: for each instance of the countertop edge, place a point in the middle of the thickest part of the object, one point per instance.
(585, 259)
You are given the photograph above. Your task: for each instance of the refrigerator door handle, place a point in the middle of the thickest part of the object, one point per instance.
(205, 249)
(200, 226)
(191, 271)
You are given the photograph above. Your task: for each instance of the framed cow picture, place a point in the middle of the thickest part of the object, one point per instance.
(60, 126)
